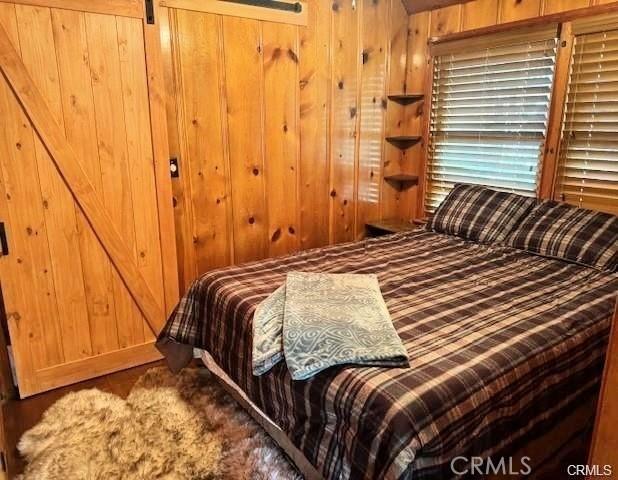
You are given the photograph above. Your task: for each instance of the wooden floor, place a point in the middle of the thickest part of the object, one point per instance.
(21, 415)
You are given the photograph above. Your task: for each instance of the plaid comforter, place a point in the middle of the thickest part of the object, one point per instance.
(501, 343)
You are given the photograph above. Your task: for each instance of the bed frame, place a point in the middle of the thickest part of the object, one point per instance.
(541, 450)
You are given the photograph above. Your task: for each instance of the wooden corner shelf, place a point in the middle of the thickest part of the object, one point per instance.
(403, 142)
(401, 180)
(406, 98)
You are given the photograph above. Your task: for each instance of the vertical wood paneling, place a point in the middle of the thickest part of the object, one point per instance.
(139, 149)
(31, 320)
(344, 111)
(24, 315)
(115, 175)
(556, 6)
(304, 122)
(79, 121)
(512, 10)
(31, 260)
(7, 390)
(225, 132)
(181, 185)
(39, 56)
(203, 161)
(411, 159)
(281, 135)
(446, 20)
(395, 113)
(339, 124)
(375, 15)
(314, 71)
(243, 53)
(479, 14)
(155, 81)
(418, 26)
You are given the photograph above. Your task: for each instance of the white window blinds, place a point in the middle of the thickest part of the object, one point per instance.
(588, 159)
(489, 111)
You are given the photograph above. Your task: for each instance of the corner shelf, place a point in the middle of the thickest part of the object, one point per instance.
(401, 181)
(406, 98)
(403, 142)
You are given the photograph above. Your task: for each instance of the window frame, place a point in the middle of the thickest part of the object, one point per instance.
(571, 30)
(509, 37)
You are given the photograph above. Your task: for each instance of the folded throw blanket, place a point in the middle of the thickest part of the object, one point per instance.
(317, 320)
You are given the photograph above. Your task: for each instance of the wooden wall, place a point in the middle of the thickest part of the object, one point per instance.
(484, 13)
(279, 128)
(444, 21)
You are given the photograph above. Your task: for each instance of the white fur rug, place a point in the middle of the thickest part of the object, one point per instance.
(170, 427)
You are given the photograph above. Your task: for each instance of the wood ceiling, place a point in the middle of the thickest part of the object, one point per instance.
(415, 6)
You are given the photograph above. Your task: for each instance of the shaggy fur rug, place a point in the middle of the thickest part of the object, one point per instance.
(170, 427)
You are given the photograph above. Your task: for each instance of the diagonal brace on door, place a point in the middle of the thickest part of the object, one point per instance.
(69, 166)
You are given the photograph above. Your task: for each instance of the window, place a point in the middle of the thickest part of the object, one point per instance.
(489, 112)
(588, 158)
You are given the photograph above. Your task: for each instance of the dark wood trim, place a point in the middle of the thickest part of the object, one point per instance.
(3, 447)
(529, 22)
(549, 165)
(7, 390)
(422, 169)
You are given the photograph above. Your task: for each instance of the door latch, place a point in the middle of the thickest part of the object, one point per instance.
(4, 245)
(174, 172)
(150, 19)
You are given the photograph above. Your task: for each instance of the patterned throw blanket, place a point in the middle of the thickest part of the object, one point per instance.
(318, 320)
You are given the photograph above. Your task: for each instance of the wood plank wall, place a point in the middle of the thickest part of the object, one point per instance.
(279, 129)
(454, 19)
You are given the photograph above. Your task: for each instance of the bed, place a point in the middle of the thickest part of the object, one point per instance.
(502, 343)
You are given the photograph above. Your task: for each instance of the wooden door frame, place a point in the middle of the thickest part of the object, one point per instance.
(3, 446)
(160, 143)
(604, 437)
(7, 390)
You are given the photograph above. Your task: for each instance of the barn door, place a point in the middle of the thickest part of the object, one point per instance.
(90, 271)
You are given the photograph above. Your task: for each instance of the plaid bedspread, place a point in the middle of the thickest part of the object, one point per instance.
(501, 343)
